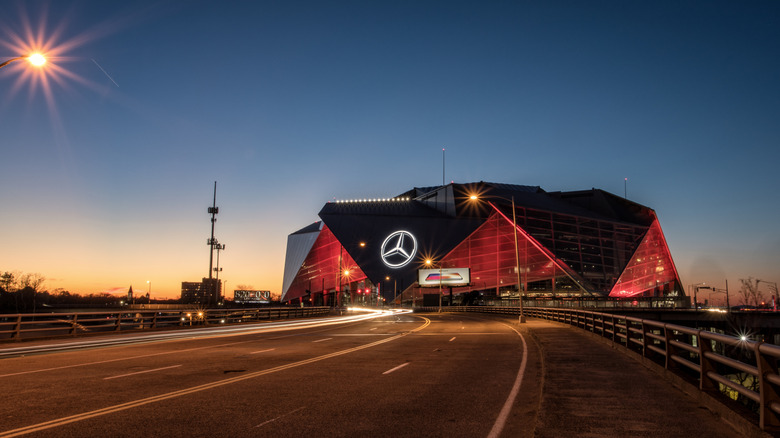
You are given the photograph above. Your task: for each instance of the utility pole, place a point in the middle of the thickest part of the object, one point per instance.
(214, 244)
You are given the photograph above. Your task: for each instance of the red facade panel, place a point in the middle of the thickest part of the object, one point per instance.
(490, 253)
(651, 269)
(324, 267)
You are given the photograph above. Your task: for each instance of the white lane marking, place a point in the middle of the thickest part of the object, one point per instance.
(263, 351)
(396, 368)
(452, 339)
(372, 328)
(141, 372)
(281, 416)
(322, 340)
(498, 426)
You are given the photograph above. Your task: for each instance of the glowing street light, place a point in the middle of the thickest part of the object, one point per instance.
(35, 59)
(517, 251)
(429, 262)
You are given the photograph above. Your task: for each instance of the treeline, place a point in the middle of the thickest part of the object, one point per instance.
(24, 293)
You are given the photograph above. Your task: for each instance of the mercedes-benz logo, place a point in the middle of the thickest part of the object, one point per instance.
(399, 249)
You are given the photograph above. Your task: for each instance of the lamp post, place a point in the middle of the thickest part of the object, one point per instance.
(429, 262)
(772, 285)
(35, 59)
(717, 290)
(345, 274)
(149, 291)
(517, 252)
(395, 290)
(695, 293)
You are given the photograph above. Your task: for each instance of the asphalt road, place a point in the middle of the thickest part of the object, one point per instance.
(394, 375)
(399, 375)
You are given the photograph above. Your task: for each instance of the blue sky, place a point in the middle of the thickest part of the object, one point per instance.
(290, 104)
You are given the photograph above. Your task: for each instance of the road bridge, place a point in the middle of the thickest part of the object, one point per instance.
(388, 374)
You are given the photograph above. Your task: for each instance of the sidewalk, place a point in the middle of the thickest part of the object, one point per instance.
(592, 390)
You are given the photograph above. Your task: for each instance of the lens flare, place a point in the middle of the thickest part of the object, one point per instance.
(37, 59)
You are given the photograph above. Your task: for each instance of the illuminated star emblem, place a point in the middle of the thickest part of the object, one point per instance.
(398, 249)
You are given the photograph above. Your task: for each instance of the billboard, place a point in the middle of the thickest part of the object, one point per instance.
(252, 296)
(444, 277)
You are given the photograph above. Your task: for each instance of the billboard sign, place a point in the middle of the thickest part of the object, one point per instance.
(252, 296)
(444, 277)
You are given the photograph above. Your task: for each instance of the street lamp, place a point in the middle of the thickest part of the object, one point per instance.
(517, 251)
(717, 290)
(395, 289)
(345, 275)
(772, 285)
(35, 59)
(695, 293)
(149, 291)
(429, 262)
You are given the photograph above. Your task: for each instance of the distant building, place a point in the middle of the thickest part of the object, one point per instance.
(206, 292)
(587, 243)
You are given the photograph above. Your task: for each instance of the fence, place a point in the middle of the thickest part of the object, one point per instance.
(39, 325)
(733, 366)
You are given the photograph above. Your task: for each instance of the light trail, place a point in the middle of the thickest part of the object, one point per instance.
(205, 332)
(195, 389)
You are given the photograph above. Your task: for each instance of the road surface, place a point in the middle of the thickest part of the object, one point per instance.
(432, 375)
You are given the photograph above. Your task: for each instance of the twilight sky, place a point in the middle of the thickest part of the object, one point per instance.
(109, 158)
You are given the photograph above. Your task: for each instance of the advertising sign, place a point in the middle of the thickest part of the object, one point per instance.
(445, 277)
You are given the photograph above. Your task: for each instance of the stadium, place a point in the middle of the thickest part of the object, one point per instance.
(468, 243)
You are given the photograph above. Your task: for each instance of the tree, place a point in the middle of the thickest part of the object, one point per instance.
(31, 283)
(749, 292)
(7, 280)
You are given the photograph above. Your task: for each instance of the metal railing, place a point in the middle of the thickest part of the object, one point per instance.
(743, 370)
(45, 325)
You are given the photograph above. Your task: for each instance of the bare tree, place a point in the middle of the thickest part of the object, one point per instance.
(7, 280)
(33, 283)
(749, 292)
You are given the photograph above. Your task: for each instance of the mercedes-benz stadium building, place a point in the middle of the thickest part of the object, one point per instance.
(467, 242)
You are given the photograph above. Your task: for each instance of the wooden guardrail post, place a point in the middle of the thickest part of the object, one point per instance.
(154, 320)
(118, 323)
(645, 340)
(704, 347)
(628, 332)
(669, 364)
(17, 334)
(614, 328)
(767, 365)
(73, 323)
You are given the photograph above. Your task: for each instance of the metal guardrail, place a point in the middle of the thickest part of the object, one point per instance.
(744, 370)
(40, 325)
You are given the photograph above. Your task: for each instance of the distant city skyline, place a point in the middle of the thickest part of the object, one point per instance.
(110, 152)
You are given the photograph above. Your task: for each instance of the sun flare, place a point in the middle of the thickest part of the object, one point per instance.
(37, 59)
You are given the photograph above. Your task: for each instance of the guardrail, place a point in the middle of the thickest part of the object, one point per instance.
(40, 325)
(745, 371)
